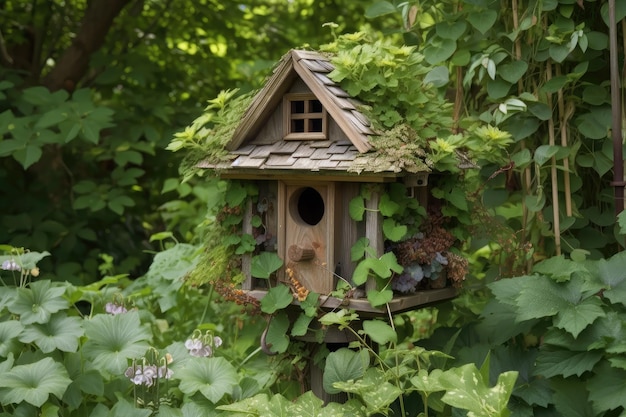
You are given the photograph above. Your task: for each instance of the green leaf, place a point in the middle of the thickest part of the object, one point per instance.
(61, 332)
(28, 155)
(118, 203)
(51, 118)
(359, 249)
(276, 337)
(607, 388)
(341, 318)
(535, 203)
(34, 382)
(540, 110)
(125, 408)
(558, 268)
(277, 298)
(513, 71)
(9, 331)
(456, 196)
(450, 30)
(559, 52)
(212, 377)
(344, 365)
(309, 305)
(611, 273)
(497, 89)
(380, 8)
(356, 207)
(466, 389)
(439, 50)
(265, 264)
(301, 325)
(565, 363)
(37, 96)
(483, 20)
(394, 231)
(594, 124)
(554, 84)
(571, 397)
(437, 76)
(428, 383)
(380, 332)
(544, 153)
(37, 303)
(375, 391)
(382, 267)
(621, 220)
(379, 298)
(113, 339)
(387, 206)
(542, 297)
(90, 382)
(308, 405)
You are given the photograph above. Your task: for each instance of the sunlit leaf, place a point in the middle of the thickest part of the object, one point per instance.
(379, 298)
(466, 389)
(356, 208)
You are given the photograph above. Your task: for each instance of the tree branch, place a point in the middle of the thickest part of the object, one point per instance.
(74, 63)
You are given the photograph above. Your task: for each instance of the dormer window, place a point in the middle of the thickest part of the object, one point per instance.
(304, 116)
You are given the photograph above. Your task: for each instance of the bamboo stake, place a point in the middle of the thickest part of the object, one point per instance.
(553, 171)
(564, 115)
(526, 175)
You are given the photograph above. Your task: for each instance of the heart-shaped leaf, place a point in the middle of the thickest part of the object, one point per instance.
(276, 298)
(265, 264)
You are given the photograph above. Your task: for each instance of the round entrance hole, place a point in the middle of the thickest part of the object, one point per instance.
(307, 205)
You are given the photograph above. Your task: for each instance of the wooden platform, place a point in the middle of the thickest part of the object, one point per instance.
(399, 304)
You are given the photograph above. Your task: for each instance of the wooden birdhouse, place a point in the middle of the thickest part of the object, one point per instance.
(305, 144)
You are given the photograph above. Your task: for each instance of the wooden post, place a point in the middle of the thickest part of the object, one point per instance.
(374, 231)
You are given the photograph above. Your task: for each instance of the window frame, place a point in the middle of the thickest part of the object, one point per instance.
(306, 116)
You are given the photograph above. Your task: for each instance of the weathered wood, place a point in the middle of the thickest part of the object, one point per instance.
(315, 275)
(397, 305)
(246, 259)
(346, 233)
(264, 103)
(255, 174)
(299, 254)
(374, 231)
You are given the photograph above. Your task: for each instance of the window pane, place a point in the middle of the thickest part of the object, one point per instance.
(297, 126)
(315, 106)
(315, 125)
(297, 107)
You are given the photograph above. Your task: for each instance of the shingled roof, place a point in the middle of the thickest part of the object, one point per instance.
(335, 154)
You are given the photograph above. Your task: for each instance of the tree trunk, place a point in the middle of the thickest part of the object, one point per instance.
(74, 63)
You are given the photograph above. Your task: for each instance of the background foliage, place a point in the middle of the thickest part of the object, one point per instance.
(91, 94)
